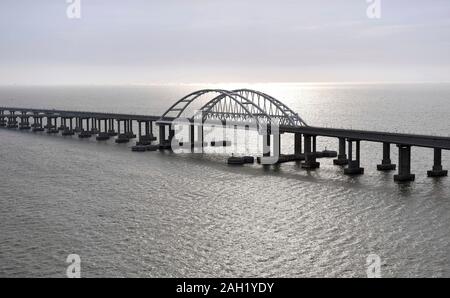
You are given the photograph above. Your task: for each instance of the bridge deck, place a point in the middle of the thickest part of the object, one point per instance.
(81, 114)
(374, 136)
(363, 135)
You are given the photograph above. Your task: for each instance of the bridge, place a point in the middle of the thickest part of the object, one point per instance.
(240, 108)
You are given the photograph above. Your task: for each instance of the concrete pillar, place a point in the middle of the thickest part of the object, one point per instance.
(171, 134)
(310, 156)
(297, 143)
(386, 164)
(277, 144)
(200, 138)
(266, 144)
(130, 128)
(404, 164)
(437, 170)
(162, 134)
(147, 128)
(354, 165)
(342, 156)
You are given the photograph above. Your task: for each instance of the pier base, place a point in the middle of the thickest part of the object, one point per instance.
(404, 177)
(310, 162)
(112, 133)
(386, 164)
(52, 130)
(342, 156)
(84, 134)
(103, 136)
(437, 173)
(354, 167)
(122, 138)
(437, 170)
(68, 132)
(404, 164)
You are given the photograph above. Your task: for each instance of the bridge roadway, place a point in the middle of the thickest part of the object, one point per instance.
(349, 139)
(83, 114)
(362, 135)
(373, 136)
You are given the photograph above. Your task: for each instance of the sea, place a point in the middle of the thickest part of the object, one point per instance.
(163, 214)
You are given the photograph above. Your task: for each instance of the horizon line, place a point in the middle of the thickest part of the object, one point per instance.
(225, 83)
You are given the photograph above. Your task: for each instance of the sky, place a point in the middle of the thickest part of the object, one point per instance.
(210, 41)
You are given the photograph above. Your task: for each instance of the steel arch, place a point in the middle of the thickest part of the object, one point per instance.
(273, 107)
(238, 104)
(227, 105)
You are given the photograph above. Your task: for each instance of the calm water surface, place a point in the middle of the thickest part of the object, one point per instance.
(169, 215)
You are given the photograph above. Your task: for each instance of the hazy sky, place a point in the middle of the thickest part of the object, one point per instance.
(174, 41)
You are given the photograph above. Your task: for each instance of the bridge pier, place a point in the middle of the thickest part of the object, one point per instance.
(310, 162)
(63, 125)
(404, 164)
(297, 143)
(354, 165)
(122, 137)
(68, 131)
(24, 121)
(266, 144)
(84, 133)
(37, 123)
(2, 118)
(52, 126)
(103, 135)
(199, 144)
(129, 129)
(12, 120)
(111, 129)
(437, 170)
(277, 144)
(94, 129)
(148, 137)
(386, 164)
(78, 125)
(342, 156)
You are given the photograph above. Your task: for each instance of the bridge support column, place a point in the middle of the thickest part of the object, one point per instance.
(103, 135)
(199, 139)
(171, 134)
(354, 165)
(404, 164)
(129, 131)
(386, 164)
(437, 167)
(342, 156)
(297, 143)
(277, 144)
(67, 130)
(162, 134)
(266, 144)
(310, 154)
(111, 130)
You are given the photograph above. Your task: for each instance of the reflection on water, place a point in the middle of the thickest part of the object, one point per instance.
(164, 214)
